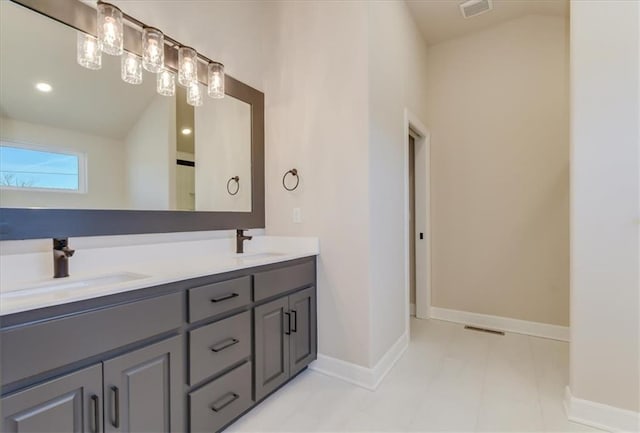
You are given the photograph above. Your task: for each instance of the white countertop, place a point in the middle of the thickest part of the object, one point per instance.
(150, 265)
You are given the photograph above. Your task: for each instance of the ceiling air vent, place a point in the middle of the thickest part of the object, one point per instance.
(473, 8)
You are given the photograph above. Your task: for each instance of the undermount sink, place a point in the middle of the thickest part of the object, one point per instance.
(58, 288)
(258, 255)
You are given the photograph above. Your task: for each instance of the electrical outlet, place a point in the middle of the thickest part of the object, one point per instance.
(297, 215)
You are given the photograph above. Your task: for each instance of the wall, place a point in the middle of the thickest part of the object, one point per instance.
(151, 157)
(499, 116)
(605, 204)
(397, 80)
(316, 96)
(104, 158)
(223, 146)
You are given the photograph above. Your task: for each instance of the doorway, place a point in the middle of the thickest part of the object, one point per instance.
(417, 231)
(412, 223)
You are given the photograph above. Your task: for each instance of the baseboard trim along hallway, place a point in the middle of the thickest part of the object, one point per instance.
(600, 415)
(364, 377)
(506, 324)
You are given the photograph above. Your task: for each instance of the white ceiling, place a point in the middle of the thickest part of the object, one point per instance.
(34, 48)
(440, 20)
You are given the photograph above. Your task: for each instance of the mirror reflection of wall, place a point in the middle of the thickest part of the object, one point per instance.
(77, 138)
(223, 146)
(185, 162)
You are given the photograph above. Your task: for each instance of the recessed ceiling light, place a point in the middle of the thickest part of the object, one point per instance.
(44, 87)
(186, 131)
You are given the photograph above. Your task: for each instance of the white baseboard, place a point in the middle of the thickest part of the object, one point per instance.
(600, 415)
(412, 309)
(506, 324)
(368, 378)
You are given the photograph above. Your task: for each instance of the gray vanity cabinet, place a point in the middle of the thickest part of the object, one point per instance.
(143, 389)
(69, 404)
(285, 339)
(190, 356)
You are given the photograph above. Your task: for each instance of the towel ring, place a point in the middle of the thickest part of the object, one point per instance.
(293, 172)
(237, 180)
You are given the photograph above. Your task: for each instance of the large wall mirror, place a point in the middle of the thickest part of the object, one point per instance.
(84, 153)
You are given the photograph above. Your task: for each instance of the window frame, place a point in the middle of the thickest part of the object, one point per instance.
(83, 184)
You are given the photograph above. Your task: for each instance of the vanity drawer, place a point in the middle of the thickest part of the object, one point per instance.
(218, 403)
(271, 283)
(217, 298)
(36, 348)
(215, 347)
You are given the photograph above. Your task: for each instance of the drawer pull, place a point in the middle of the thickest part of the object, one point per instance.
(224, 345)
(115, 406)
(288, 331)
(295, 321)
(225, 297)
(226, 401)
(95, 426)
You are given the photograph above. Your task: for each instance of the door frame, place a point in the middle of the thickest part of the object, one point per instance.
(412, 123)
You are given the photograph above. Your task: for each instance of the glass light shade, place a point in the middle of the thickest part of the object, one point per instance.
(110, 31)
(187, 66)
(215, 73)
(195, 94)
(166, 83)
(131, 70)
(89, 54)
(152, 49)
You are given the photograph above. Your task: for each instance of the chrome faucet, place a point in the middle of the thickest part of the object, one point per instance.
(240, 238)
(61, 254)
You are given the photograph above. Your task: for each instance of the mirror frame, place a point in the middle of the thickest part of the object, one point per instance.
(40, 223)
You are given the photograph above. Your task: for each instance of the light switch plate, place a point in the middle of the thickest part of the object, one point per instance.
(297, 215)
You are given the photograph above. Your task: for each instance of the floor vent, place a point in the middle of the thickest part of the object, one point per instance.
(472, 8)
(490, 331)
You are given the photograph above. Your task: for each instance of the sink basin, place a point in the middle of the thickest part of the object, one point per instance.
(258, 255)
(60, 289)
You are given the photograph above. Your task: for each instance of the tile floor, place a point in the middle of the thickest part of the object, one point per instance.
(449, 379)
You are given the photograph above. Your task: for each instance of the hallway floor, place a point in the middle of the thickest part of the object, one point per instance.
(449, 379)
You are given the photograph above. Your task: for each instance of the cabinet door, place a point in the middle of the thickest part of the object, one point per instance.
(272, 329)
(69, 404)
(143, 389)
(302, 347)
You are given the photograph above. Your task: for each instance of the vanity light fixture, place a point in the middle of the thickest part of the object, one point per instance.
(186, 131)
(110, 40)
(187, 66)
(131, 68)
(195, 94)
(152, 49)
(110, 29)
(88, 51)
(44, 87)
(166, 83)
(215, 74)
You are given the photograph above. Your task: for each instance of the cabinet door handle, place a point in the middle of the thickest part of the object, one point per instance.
(225, 297)
(288, 331)
(224, 401)
(224, 344)
(295, 321)
(95, 403)
(115, 407)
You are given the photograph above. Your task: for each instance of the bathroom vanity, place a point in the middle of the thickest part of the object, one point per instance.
(168, 336)
(190, 355)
